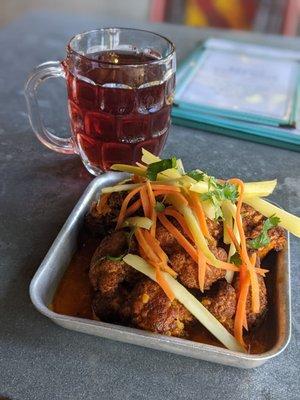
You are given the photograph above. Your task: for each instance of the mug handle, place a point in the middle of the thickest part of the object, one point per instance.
(50, 69)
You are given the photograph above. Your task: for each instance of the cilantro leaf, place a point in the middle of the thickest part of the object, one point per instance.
(218, 192)
(159, 166)
(271, 222)
(263, 239)
(117, 258)
(159, 207)
(230, 192)
(212, 182)
(196, 174)
(129, 237)
(236, 259)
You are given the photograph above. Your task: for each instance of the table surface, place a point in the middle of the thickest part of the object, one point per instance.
(39, 188)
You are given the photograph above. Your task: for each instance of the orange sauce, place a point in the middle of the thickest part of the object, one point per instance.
(74, 293)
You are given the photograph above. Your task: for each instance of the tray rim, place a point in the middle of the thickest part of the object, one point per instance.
(135, 332)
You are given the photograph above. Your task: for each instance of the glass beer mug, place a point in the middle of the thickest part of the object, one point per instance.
(120, 85)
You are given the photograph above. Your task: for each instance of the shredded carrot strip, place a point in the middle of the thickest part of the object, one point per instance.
(233, 239)
(145, 201)
(225, 265)
(154, 260)
(134, 207)
(261, 271)
(145, 246)
(197, 208)
(239, 319)
(162, 192)
(165, 267)
(163, 284)
(155, 246)
(150, 194)
(168, 269)
(253, 259)
(190, 249)
(163, 264)
(180, 219)
(168, 188)
(244, 253)
(154, 220)
(152, 202)
(201, 270)
(124, 206)
(179, 196)
(142, 253)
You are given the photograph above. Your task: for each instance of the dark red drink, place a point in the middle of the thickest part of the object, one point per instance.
(118, 104)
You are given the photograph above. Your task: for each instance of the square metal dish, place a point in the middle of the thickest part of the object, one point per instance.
(50, 272)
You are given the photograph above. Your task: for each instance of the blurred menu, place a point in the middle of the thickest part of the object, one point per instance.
(244, 87)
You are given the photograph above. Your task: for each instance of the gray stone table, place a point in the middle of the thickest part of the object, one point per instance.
(39, 188)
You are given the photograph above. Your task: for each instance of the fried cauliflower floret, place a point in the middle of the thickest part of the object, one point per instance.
(251, 219)
(111, 280)
(103, 214)
(253, 223)
(113, 306)
(277, 240)
(221, 302)
(152, 310)
(187, 269)
(105, 275)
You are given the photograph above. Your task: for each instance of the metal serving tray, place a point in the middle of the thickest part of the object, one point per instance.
(50, 272)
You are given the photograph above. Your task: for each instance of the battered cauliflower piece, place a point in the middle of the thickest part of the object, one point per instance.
(253, 222)
(187, 269)
(221, 302)
(151, 310)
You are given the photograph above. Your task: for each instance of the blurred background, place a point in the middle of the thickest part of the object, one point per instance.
(268, 16)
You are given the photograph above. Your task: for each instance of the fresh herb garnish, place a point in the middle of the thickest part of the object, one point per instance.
(236, 259)
(155, 168)
(263, 239)
(230, 192)
(117, 258)
(196, 174)
(218, 192)
(129, 236)
(159, 207)
(212, 182)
